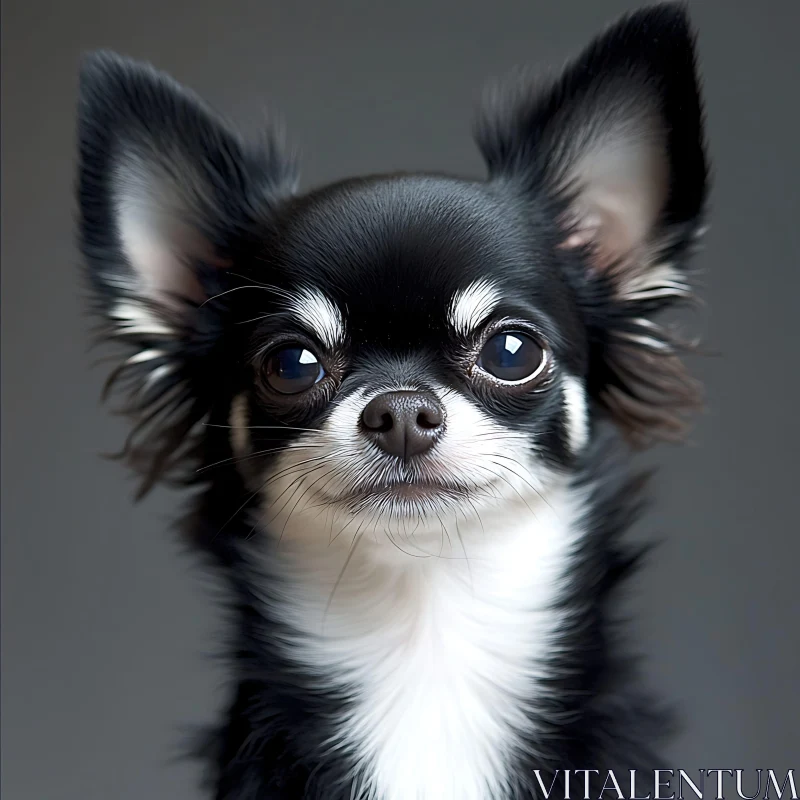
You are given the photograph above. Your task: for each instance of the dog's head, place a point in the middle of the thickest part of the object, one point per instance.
(406, 346)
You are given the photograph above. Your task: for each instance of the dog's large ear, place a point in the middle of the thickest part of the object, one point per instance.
(612, 151)
(168, 196)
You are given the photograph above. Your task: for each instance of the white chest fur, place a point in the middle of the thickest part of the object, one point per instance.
(443, 652)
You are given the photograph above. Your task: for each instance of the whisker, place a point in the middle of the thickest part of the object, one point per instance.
(228, 291)
(259, 490)
(276, 289)
(302, 495)
(257, 319)
(295, 486)
(257, 455)
(346, 525)
(521, 466)
(356, 541)
(422, 554)
(511, 485)
(463, 547)
(262, 427)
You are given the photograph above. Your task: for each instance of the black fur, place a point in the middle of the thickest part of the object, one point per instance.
(390, 251)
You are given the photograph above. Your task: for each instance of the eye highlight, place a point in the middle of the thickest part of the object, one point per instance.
(512, 357)
(292, 368)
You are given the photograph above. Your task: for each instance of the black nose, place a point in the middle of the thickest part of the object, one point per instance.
(404, 424)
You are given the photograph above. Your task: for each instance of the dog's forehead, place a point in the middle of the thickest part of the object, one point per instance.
(395, 255)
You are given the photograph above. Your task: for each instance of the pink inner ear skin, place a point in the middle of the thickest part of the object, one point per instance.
(188, 246)
(163, 257)
(584, 232)
(596, 231)
(576, 240)
(610, 239)
(219, 263)
(623, 180)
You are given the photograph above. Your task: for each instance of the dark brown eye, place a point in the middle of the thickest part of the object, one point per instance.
(512, 357)
(292, 369)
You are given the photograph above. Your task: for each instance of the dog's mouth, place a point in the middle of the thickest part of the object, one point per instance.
(411, 495)
(412, 490)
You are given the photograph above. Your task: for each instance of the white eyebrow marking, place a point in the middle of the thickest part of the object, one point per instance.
(470, 306)
(320, 315)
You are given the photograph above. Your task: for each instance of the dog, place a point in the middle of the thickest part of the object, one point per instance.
(407, 405)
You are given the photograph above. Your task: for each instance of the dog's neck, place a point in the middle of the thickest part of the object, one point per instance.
(442, 637)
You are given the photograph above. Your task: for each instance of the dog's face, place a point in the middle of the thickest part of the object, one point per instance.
(421, 353)
(405, 347)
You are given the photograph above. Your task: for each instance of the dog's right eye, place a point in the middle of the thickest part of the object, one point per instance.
(292, 368)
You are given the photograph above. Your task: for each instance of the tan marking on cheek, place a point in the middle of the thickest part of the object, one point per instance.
(239, 420)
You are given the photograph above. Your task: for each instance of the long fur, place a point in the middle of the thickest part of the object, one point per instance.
(443, 625)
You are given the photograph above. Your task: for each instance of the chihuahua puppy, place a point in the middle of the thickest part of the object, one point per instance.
(406, 403)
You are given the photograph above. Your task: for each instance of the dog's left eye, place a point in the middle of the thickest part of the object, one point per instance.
(292, 369)
(512, 357)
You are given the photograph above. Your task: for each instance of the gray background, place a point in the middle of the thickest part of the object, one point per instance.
(106, 625)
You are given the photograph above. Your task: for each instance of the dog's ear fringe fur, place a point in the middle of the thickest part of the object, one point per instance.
(650, 393)
(640, 379)
(166, 385)
(157, 396)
